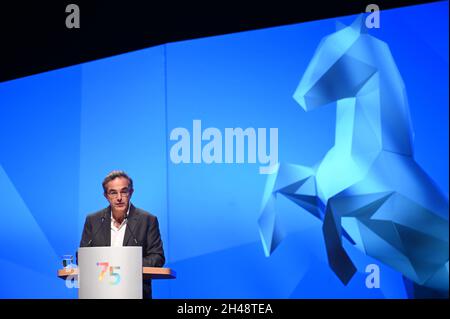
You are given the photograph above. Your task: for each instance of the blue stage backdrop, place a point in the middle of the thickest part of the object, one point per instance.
(63, 131)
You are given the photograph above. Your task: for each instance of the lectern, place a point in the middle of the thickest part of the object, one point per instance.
(112, 273)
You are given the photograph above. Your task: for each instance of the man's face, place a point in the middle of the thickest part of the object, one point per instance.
(118, 194)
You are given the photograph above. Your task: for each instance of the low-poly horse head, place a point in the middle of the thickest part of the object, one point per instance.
(339, 67)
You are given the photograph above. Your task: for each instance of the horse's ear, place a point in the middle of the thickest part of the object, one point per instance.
(340, 26)
(359, 24)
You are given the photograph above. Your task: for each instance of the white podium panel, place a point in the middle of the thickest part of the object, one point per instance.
(110, 272)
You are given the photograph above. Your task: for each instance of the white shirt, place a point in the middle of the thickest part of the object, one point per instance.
(118, 233)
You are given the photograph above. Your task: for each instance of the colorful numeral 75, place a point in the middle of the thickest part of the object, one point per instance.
(115, 276)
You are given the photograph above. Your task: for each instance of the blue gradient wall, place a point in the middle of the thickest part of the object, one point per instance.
(63, 131)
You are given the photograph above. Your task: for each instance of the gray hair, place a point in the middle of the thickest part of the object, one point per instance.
(114, 175)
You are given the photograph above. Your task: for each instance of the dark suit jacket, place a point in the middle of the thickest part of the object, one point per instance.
(143, 225)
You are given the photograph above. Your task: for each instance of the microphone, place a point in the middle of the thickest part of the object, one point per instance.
(95, 234)
(131, 231)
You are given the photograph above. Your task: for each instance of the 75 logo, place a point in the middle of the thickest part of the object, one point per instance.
(114, 276)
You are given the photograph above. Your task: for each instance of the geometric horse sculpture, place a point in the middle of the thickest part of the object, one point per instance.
(368, 188)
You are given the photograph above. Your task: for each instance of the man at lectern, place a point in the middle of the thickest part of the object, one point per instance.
(122, 224)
